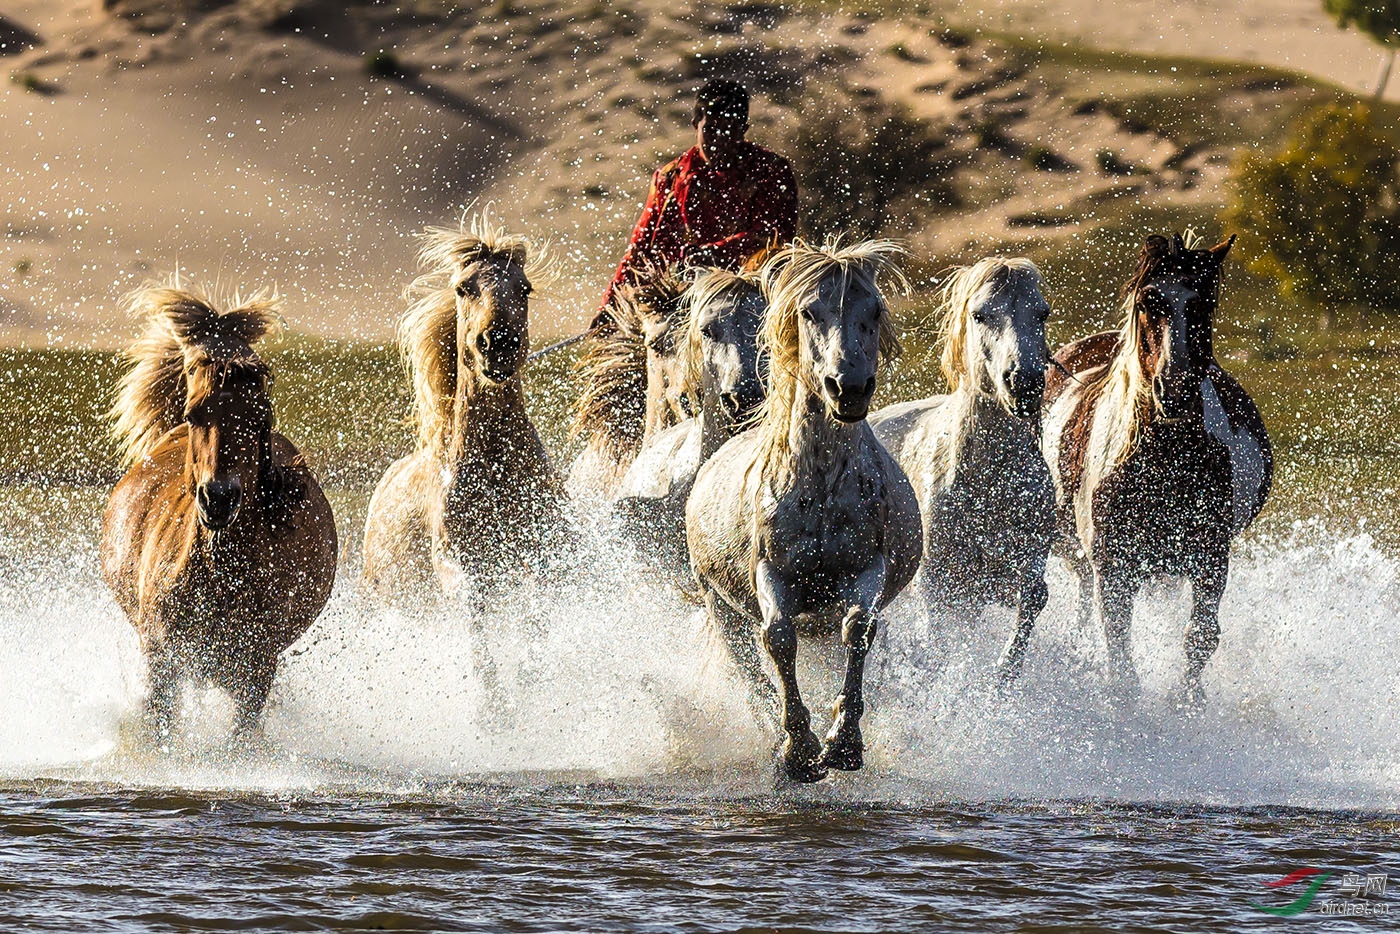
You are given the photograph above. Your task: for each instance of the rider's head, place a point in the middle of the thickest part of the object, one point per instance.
(721, 118)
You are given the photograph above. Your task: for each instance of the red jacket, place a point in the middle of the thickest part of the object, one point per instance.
(696, 215)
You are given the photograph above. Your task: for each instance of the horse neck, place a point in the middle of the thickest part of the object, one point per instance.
(986, 431)
(486, 417)
(659, 415)
(716, 426)
(818, 446)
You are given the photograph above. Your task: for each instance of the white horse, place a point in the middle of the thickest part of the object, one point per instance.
(974, 456)
(805, 518)
(719, 355)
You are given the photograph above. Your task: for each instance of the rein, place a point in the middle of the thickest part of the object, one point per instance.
(557, 345)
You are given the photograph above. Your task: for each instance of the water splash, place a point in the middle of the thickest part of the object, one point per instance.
(615, 678)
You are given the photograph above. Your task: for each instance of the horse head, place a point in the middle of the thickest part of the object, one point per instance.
(229, 415)
(655, 301)
(1171, 302)
(724, 311)
(994, 332)
(194, 368)
(828, 321)
(493, 310)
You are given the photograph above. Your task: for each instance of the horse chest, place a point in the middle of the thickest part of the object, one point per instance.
(829, 529)
(1170, 501)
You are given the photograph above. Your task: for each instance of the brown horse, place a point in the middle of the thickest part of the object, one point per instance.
(479, 497)
(633, 382)
(1159, 454)
(218, 543)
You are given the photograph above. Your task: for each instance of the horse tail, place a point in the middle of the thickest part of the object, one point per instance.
(150, 398)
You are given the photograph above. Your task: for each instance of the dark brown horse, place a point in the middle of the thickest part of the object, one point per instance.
(1160, 456)
(633, 382)
(218, 543)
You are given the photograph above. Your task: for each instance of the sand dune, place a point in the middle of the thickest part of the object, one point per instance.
(247, 142)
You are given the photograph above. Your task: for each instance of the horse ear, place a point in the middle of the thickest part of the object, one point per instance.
(1178, 244)
(1222, 248)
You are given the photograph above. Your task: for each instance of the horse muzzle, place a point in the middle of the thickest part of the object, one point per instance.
(846, 402)
(740, 403)
(217, 504)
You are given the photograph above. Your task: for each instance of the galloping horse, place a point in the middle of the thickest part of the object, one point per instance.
(479, 497)
(1160, 456)
(633, 384)
(218, 544)
(805, 518)
(719, 357)
(974, 455)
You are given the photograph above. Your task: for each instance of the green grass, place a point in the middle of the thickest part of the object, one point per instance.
(1329, 406)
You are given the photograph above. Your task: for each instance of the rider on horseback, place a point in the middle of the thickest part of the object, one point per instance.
(721, 202)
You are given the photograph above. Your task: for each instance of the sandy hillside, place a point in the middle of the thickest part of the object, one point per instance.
(269, 141)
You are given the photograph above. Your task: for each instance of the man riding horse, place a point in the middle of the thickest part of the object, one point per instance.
(721, 202)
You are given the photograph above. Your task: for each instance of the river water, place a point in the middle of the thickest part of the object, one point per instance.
(619, 782)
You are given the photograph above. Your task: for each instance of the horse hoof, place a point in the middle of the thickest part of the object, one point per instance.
(846, 757)
(805, 772)
(802, 759)
(1192, 698)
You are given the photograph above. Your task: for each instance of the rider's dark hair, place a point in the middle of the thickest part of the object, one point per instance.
(720, 97)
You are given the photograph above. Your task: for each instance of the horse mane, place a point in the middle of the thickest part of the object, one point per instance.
(710, 286)
(427, 332)
(611, 408)
(792, 278)
(184, 330)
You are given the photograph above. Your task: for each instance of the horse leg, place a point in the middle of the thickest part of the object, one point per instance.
(844, 748)
(1034, 596)
(162, 693)
(801, 749)
(1115, 598)
(738, 636)
(249, 689)
(1203, 632)
(1083, 570)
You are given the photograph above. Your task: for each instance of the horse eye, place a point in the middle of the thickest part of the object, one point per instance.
(808, 314)
(709, 333)
(467, 287)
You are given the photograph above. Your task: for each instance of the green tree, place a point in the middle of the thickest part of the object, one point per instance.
(1320, 215)
(1379, 19)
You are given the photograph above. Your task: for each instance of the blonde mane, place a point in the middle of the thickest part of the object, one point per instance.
(709, 287)
(611, 408)
(792, 279)
(186, 347)
(427, 332)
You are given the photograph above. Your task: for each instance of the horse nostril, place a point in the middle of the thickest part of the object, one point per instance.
(870, 386)
(832, 387)
(483, 342)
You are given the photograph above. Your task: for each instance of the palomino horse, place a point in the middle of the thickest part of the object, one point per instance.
(633, 384)
(1160, 456)
(719, 356)
(805, 518)
(479, 497)
(218, 543)
(974, 455)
